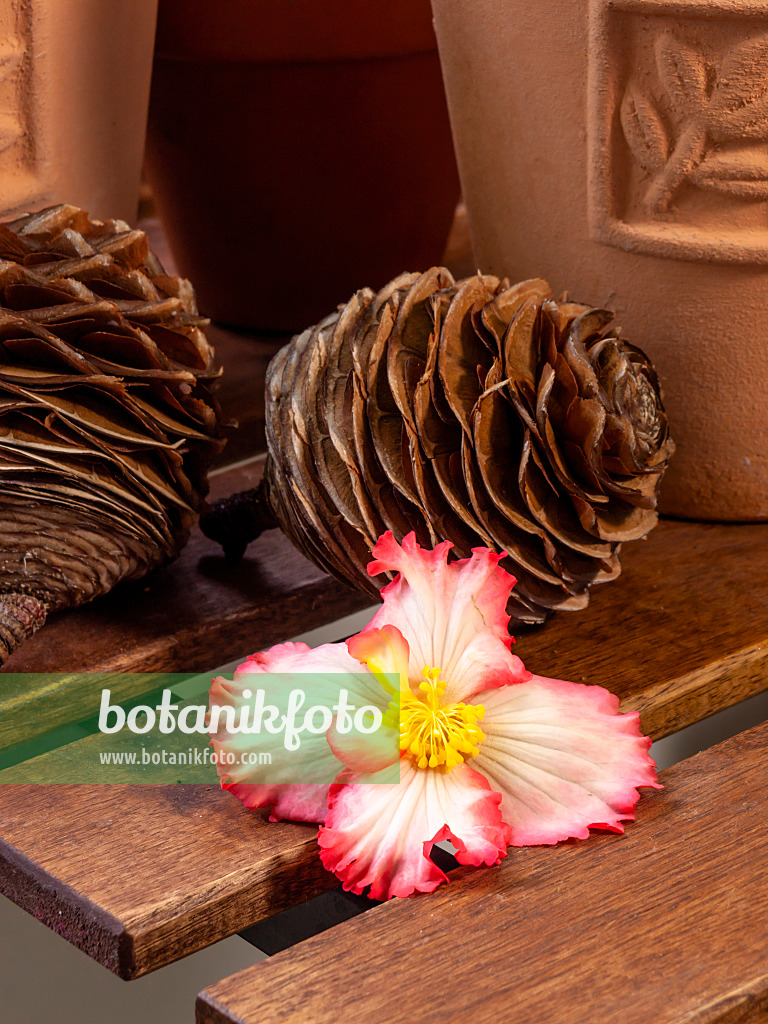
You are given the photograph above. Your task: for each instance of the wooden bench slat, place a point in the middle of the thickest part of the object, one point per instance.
(660, 636)
(139, 876)
(680, 635)
(668, 924)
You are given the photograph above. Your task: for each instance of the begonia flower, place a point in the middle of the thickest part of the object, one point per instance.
(490, 755)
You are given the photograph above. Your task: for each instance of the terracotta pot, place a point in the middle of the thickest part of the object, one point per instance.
(74, 90)
(298, 151)
(618, 148)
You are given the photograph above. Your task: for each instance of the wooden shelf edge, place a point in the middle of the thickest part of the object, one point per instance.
(64, 910)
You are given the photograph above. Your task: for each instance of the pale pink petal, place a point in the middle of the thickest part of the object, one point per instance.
(563, 759)
(243, 772)
(453, 616)
(294, 803)
(381, 835)
(278, 784)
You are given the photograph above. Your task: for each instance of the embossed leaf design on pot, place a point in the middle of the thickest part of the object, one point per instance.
(683, 73)
(706, 105)
(742, 173)
(11, 129)
(644, 130)
(739, 105)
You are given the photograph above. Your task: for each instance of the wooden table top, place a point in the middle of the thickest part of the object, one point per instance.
(667, 924)
(140, 876)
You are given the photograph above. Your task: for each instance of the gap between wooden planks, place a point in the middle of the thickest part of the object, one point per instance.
(666, 924)
(140, 876)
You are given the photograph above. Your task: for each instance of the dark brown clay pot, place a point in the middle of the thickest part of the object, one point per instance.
(298, 150)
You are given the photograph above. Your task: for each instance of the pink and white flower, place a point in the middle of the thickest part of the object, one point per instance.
(491, 756)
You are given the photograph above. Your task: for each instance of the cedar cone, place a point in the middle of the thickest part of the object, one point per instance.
(473, 411)
(107, 423)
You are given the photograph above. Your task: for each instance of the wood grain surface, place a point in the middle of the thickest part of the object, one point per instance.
(674, 636)
(139, 876)
(665, 925)
(681, 634)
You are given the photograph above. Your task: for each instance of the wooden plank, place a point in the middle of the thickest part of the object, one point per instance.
(659, 635)
(139, 876)
(34, 706)
(668, 924)
(683, 632)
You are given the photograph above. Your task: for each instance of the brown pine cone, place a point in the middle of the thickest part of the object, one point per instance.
(473, 411)
(107, 422)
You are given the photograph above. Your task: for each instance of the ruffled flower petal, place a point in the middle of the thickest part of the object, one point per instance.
(381, 835)
(453, 616)
(293, 803)
(272, 782)
(563, 759)
(385, 652)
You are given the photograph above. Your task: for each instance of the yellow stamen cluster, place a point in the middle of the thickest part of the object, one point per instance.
(438, 736)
